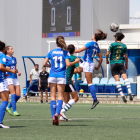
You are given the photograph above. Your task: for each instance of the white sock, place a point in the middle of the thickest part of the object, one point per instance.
(119, 87)
(63, 104)
(68, 105)
(127, 83)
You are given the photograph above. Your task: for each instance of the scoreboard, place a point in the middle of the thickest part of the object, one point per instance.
(61, 18)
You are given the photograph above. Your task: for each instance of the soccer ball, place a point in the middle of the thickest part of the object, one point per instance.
(114, 27)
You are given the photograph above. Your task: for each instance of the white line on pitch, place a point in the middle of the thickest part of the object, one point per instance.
(71, 118)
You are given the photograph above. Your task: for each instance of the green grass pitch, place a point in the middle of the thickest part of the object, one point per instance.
(105, 122)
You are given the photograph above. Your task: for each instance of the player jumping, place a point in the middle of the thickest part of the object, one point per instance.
(70, 88)
(13, 83)
(57, 78)
(91, 49)
(118, 50)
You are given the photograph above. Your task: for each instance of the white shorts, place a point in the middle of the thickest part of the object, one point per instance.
(12, 81)
(87, 67)
(4, 86)
(57, 80)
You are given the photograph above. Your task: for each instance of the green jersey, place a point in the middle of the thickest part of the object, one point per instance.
(117, 52)
(70, 70)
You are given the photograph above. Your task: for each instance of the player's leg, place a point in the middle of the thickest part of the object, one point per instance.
(115, 70)
(92, 89)
(41, 96)
(60, 88)
(46, 92)
(119, 87)
(65, 101)
(18, 95)
(13, 97)
(53, 87)
(4, 97)
(128, 86)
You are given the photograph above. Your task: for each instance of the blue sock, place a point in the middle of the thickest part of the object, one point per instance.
(59, 106)
(17, 98)
(10, 105)
(53, 107)
(2, 110)
(92, 90)
(13, 101)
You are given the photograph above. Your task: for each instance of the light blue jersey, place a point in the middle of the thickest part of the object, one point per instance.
(11, 62)
(2, 61)
(92, 49)
(58, 64)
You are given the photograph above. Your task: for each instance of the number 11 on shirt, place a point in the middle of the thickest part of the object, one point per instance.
(56, 58)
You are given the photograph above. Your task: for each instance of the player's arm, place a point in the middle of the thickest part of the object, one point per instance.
(69, 64)
(126, 59)
(2, 68)
(45, 64)
(19, 73)
(39, 81)
(100, 61)
(107, 56)
(31, 78)
(80, 50)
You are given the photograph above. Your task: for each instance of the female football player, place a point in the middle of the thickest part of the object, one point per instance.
(70, 87)
(57, 79)
(13, 84)
(91, 49)
(4, 91)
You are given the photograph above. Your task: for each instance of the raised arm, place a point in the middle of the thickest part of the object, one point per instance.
(80, 50)
(100, 61)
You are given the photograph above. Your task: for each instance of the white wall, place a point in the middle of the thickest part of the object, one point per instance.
(21, 25)
(131, 32)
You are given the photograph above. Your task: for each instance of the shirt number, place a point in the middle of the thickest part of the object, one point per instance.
(56, 59)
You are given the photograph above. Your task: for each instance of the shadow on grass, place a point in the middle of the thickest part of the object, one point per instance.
(17, 126)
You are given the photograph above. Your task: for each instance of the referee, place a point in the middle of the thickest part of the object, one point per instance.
(43, 83)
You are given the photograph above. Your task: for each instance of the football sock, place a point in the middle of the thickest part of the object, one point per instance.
(63, 104)
(68, 105)
(59, 106)
(127, 83)
(2, 110)
(17, 98)
(119, 87)
(92, 90)
(13, 101)
(53, 107)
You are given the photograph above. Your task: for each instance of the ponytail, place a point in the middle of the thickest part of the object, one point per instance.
(100, 35)
(61, 42)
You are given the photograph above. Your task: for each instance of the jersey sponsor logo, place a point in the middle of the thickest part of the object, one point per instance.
(4, 59)
(119, 46)
(57, 52)
(13, 61)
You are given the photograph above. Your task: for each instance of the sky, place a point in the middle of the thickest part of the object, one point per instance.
(134, 11)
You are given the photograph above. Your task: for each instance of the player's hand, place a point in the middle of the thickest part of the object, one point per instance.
(48, 86)
(107, 62)
(77, 60)
(126, 66)
(19, 74)
(14, 71)
(39, 85)
(31, 82)
(96, 68)
(7, 75)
